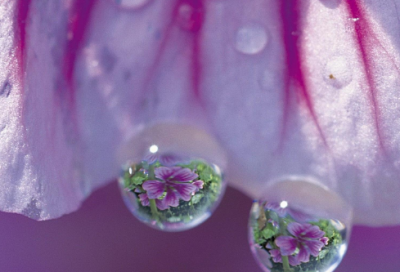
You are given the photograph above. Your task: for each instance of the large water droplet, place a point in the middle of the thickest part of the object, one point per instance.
(131, 4)
(251, 39)
(172, 187)
(338, 72)
(286, 236)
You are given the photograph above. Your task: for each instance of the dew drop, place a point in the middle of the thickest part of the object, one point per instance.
(172, 187)
(272, 219)
(131, 4)
(251, 39)
(337, 72)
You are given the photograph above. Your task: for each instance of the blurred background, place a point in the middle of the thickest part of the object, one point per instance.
(104, 236)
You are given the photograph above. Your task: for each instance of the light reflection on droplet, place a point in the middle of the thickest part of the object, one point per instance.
(131, 4)
(283, 204)
(338, 72)
(153, 149)
(251, 39)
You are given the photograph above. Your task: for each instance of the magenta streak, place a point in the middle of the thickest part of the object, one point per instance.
(22, 12)
(192, 26)
(295, 65)
(78, 23)
(363, 33)
(196, 22)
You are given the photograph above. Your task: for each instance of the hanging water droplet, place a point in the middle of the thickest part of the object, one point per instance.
(251, 39)
(285, 235)
(167, 188)
(131, 4)
(338, 72)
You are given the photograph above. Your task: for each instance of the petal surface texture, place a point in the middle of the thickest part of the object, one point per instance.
(290, 88)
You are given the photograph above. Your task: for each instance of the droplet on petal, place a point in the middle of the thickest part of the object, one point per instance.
(338, 72)
(299, 226)
(131, 4)
(251, 39)
(177, 183)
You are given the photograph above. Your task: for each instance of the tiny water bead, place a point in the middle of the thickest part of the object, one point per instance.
(251, 39)
(338, 72)
(171, 192)
(285, 238)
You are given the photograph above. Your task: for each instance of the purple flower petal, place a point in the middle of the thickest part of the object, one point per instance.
(154, 188)
(276, 208)
(171, 199)
(313, 232)
(313, 247)
(305, 231)
(169, 160)
(296, 229)
(276, 255)
(165, 173)
(162, 204)
(185, 190)
(325, 240)
(199, 184)
(151, 158)
(183, 175)
(294, 260)
(303, 255)
(144, 199)
(286, 244)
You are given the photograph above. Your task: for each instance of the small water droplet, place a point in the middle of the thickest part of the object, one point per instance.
(131, 4)
(338, 72)
(354, 19)
(251, 39)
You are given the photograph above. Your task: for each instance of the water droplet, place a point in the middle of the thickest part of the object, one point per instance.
(338, 72)
(251, 39)
(272, 222)
(354, 19)
(131, 4)
(168, 189)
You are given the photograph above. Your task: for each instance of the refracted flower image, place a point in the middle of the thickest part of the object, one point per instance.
(171, 192)
(291, 240)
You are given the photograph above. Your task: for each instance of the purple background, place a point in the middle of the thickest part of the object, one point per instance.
(104, 236)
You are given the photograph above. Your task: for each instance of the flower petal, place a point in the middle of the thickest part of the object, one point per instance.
(144, 199)
(172, 198)
(286, 244)
(313, 247)
(183, 175)
(162, 204)
(276, 255)
(199, 184)
(185, 190)
(154, 188)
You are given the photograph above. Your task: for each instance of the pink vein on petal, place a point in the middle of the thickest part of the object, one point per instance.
(22, 13)
(193, 23)
(296, 70)
(79, 19)
(363, 32)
